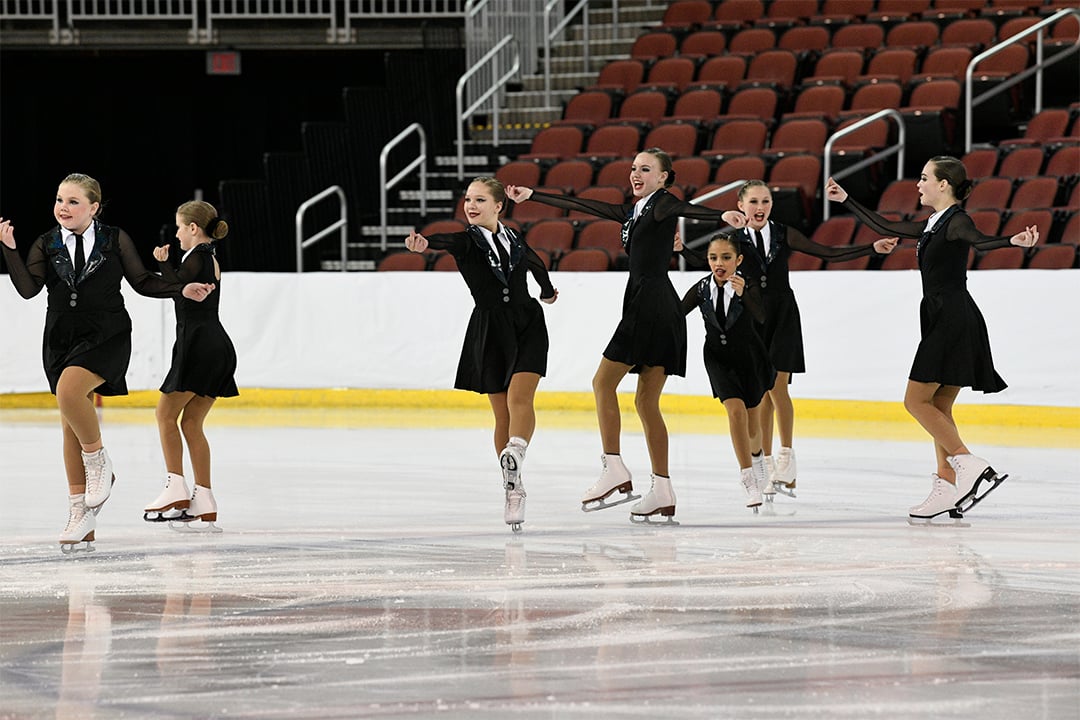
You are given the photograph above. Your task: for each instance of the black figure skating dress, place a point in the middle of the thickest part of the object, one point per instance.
(736, 359)
(782, 329)
(203, 357)
(506, 333)
(652, 330)
(955, 346)
(86, 324)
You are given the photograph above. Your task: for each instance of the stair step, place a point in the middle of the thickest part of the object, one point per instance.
(335, 265)
(430, 194)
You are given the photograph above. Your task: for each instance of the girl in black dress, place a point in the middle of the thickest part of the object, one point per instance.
(650, 339)
(87, 341)
(203, 363)
(954, 351)
(767, 245)
(506, 343)
(736, 359)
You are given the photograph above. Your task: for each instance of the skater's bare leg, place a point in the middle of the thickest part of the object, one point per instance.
(647, 403)
(167, 414)
(191, 424)
(514, 410)
(520, 401)
(943, 401)
(605, 390)
(931, 406)
(502, 420)
(739, 428)
(79, 420)
(780, 404)
(765, 422)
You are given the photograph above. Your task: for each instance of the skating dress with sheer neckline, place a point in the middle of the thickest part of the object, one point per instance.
(652, 329)
(506, 332)
(736, 360)
(203, 356)
(955, 345)
(86, 323)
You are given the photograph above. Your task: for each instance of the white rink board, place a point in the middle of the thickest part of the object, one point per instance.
(403, 331)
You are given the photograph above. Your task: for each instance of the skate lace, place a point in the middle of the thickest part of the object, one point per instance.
(514, 498)
(748, 482)
(95, 476)
(75, 516)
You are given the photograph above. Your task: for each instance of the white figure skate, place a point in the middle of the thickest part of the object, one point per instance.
(784, 478)
(511, 459)
(975, 479)
(200, 514)
(99, 478)
(941, 500)
(78, 536)
(768, 490)
(748, 480)
(660, 500)
(760, 467)
(171, 502)
(613, 478)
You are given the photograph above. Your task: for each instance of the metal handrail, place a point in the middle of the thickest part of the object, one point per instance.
(385, 185)
(1037, 69)
(498, 84)
(697, 201)
(342, 224)
(895, 149)
(550, 33)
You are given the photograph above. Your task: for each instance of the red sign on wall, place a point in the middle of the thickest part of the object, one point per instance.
(222, 62)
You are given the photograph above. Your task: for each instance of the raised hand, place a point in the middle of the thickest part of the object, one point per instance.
(161, 254)
(678, 246)
(738, 284)
(198, 291)
(735, 219)
(834, 192)
(886, 245)
(1029, 237)
(7, 233)
(416, 242)
(518, 193)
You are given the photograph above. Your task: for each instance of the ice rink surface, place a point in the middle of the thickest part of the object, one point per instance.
(365, 572)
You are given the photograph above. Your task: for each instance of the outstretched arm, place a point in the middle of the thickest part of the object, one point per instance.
(797, 241)
(880, 225)
(29, 277)
(146, 283)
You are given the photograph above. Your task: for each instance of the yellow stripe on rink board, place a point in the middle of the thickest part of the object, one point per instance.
(1009, 425)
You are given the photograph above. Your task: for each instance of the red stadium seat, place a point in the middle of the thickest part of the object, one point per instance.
(1053, 257)
(407, 260)
(585, 260)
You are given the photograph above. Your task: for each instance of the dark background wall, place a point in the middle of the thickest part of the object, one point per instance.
(153, 127)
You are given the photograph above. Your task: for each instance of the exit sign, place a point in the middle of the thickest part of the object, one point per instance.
(222, 62)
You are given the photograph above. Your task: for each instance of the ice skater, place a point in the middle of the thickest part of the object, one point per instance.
(736, 360)
(954, 351)
(650, 339)
(767, 245)
(203, 363)
(87, 340)
(506, 343)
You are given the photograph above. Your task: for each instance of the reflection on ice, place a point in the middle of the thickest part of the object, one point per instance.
(366, 572)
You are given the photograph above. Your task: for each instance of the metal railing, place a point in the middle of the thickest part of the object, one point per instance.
(971, 102)
(550, 33)
(273, 10)
(697, 201)
(202, 14)
(492, 92)
(895, 149)
(342, 225)
(385, 185)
